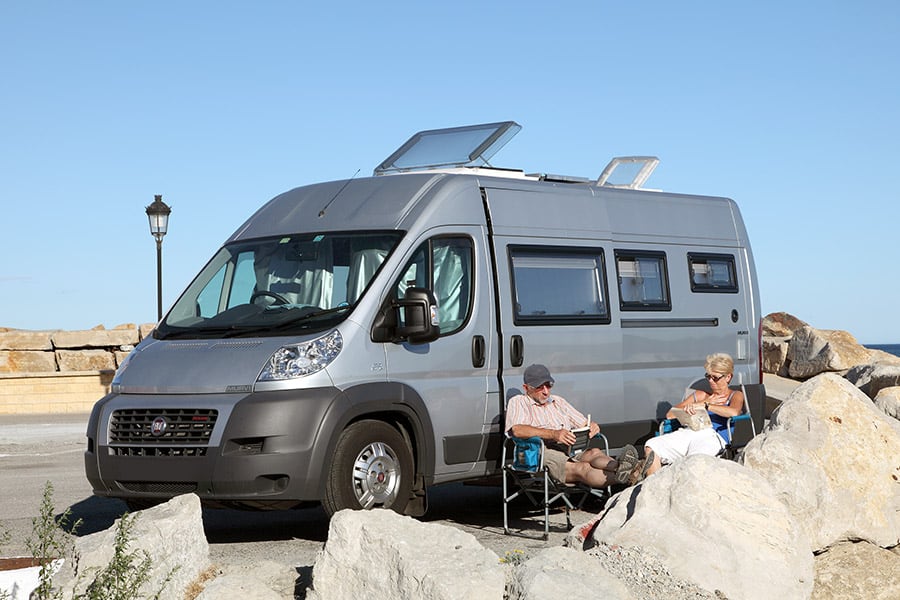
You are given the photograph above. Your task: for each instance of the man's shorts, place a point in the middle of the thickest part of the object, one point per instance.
(555, 461)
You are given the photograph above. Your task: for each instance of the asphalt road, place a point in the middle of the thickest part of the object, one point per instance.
(41, 448)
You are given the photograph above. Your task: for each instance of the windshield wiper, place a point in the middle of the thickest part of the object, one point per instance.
(311, 315)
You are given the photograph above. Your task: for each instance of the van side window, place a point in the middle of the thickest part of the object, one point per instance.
(643, 280)
(712, 273)
(445, 266)
(558, 285)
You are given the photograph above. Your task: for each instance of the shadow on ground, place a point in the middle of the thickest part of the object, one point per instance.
(476, 507)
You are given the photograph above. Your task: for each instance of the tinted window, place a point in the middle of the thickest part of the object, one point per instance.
(643, 280)
(443, 265)
(712, 273)
(556, 285)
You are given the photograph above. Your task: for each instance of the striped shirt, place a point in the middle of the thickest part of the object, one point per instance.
(556, 413)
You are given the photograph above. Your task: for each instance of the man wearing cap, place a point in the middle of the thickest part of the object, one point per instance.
(538, 413)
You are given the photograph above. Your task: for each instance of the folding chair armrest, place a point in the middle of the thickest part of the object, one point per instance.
(600, 436)
(668, 426)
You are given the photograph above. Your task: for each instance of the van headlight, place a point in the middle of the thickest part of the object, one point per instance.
(299, 360)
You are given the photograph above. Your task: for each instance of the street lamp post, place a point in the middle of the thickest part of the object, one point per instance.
(158, 213)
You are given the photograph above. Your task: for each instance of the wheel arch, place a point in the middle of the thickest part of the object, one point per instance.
(393, 403)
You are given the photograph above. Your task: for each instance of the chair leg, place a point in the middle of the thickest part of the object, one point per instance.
(505, 503)
(546, 506)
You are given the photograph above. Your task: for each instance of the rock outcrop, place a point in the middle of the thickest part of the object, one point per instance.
(565, 573)
(170, 536)
(833, 459)
(380, 554)
(781, 324)
(859, 570)
(717, 524)
(812, 351)
(794, 349)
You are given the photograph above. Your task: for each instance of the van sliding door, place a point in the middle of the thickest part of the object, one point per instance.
(553, 295)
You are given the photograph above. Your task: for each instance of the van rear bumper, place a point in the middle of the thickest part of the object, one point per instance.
(259, 453)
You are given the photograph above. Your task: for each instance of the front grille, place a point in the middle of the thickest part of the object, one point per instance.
(171, 488)
(159, 451)
(152, 428)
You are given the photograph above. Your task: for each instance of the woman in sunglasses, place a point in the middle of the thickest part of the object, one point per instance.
(719, 403)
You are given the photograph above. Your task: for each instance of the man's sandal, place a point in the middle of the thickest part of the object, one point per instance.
(628, 460)
(639, 473)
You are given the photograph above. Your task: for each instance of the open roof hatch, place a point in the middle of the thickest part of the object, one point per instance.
(469, 146)
(638, 168)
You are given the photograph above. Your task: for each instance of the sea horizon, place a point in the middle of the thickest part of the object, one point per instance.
(890, 348)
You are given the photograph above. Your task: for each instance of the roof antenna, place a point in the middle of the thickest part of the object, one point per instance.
(327, 204)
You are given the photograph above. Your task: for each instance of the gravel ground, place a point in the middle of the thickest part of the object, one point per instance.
(645, 576)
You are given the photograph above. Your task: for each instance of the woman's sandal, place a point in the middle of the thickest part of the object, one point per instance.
(627, 460)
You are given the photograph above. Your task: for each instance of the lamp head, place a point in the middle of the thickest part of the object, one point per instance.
(158, 214)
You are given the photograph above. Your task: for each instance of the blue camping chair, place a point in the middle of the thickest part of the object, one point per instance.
(523, 467)
(729, 450)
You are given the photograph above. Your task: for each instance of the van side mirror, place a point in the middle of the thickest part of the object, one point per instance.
(418, 310)
(418, 313)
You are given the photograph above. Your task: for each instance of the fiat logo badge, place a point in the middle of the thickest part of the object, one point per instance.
(158, 426)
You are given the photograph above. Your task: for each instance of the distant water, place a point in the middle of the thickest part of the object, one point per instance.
(892, 348)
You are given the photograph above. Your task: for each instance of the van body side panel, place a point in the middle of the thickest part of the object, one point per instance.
(627, 373)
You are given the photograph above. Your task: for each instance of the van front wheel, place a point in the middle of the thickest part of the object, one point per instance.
(372, 468)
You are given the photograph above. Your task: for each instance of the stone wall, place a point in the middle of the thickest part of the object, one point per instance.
(61, 371)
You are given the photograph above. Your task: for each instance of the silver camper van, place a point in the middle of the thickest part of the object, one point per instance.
(355, 342)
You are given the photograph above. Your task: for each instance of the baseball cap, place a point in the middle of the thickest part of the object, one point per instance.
(536, 375)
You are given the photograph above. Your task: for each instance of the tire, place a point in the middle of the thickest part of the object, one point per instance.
(372, 468)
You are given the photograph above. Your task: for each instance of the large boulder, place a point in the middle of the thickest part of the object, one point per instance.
(888, 401)
(380, 554)
(859, 570)
(781, 324)
(170, 534)
(874, 377)
(813, 351)
(567, 573)
(716, 524)
(834, 460)
(774, 353)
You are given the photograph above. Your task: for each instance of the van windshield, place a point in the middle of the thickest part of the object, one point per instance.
(280, 285)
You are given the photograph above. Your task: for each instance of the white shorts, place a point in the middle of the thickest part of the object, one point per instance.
(685, 442)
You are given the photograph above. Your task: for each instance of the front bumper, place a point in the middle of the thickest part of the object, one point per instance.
(261, 451)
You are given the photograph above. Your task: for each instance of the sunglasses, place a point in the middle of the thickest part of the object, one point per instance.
(546, 384)
(715, 378)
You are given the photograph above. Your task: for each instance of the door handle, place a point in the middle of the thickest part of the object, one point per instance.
(478, 351)
(516, 351)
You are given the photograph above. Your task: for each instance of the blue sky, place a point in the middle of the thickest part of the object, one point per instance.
(792, 109)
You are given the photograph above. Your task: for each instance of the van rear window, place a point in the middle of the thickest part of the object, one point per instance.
(558, 285)
(712, 273)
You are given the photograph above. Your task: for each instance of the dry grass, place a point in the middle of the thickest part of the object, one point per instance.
(197, 585)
